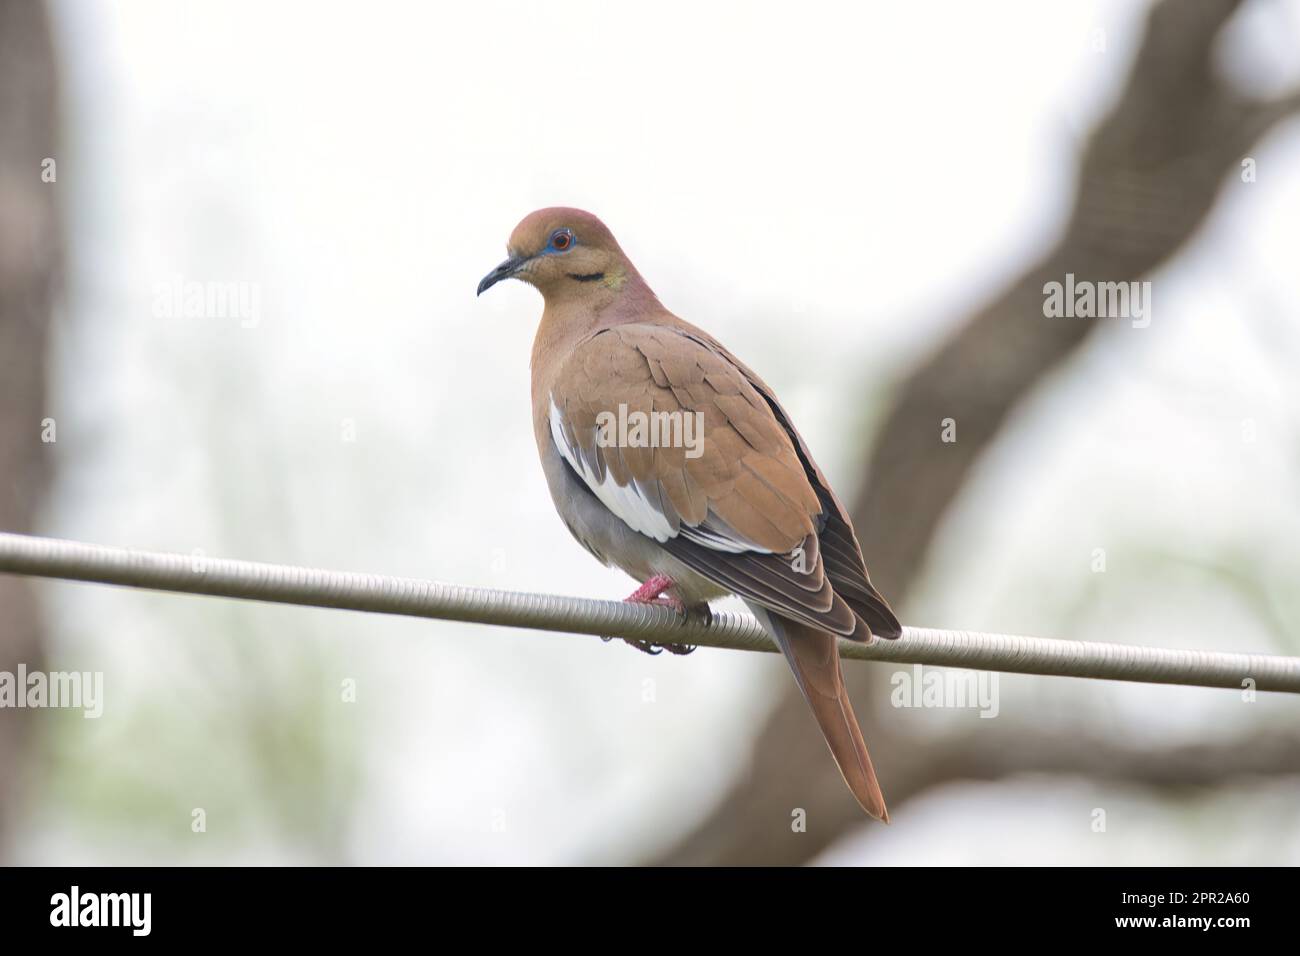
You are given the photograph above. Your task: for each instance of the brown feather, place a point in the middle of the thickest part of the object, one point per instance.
(814, 658)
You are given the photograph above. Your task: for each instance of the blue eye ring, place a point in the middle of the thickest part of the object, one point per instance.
(562, 240)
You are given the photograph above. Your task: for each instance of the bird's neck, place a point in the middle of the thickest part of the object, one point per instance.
(572, 315)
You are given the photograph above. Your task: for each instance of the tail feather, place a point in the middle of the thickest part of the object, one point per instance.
(814, 657)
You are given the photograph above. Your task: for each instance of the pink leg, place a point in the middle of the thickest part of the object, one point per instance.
(652, 592)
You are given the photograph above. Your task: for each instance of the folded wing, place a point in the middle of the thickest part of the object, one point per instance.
(717, 475)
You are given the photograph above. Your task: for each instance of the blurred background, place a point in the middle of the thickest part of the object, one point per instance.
(862, 201)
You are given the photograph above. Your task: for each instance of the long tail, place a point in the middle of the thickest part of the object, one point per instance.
(814, 657)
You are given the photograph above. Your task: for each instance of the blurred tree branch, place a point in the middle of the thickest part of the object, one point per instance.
(30, 277)
(1149, 175)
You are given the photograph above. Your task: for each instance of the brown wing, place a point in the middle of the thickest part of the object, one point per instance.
(841, 552)
(740, 507)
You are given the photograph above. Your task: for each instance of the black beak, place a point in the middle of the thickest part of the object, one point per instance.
(503, 271)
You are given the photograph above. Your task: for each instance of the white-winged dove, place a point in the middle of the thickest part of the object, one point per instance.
(667, 457)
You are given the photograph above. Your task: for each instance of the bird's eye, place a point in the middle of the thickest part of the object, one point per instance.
(561, 239)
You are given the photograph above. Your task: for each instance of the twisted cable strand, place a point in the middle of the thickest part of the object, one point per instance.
(349, 590)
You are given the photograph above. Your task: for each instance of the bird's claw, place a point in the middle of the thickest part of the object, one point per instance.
(645, 647)
(679, 649)
(654, 650)
(652, 592)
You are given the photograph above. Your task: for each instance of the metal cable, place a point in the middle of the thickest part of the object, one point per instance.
(282, 584)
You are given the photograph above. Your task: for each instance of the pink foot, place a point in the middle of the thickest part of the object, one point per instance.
(652, 592)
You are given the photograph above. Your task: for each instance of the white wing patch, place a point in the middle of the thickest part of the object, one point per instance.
(626, 501)
(721, 539)
(637, 511)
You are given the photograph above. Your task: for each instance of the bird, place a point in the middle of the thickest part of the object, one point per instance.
(669, 458)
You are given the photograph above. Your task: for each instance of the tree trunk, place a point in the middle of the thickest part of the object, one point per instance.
(31, 265)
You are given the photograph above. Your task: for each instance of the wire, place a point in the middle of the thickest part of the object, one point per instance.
(348, 590)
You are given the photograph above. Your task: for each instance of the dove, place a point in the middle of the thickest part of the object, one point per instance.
(669, 458)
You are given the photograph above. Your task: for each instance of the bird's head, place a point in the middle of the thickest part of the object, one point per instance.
(566, 253)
